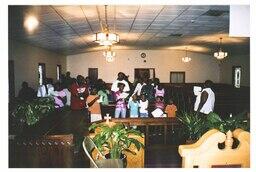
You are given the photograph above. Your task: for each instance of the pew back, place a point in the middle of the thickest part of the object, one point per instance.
(205, 153)
(47, 151)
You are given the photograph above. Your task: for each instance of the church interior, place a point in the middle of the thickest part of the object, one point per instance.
(124, 51)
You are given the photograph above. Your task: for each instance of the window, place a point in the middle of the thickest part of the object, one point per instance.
(144, 72)
(177, 77)
(41, 73)
(236, 76)
(58, 72)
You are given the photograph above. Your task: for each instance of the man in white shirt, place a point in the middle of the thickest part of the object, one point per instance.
(207, 99)
(120, 79)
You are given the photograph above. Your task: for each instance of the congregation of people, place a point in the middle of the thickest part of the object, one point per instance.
(130, 99)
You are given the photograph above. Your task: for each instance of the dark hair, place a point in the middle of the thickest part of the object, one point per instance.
(24, 84)
(120, 84)
(79, 77)
(208, 83)
(161, 98)
(121, 73)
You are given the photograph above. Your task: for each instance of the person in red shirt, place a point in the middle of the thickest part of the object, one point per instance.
(79, 93)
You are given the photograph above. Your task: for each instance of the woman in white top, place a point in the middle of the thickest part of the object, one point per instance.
(137, 90)
(207, 99)
(120, 79)
(46, 89)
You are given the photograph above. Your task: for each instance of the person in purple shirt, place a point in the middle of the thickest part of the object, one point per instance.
(120, 101)
(60, 97)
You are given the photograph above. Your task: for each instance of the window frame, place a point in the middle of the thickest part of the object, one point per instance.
(178, 72)
(43, 73)
(58, 71)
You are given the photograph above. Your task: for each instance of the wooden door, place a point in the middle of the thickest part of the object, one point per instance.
(93, 73)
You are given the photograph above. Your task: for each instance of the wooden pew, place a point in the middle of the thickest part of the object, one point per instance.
(206, 154)
(45, 152)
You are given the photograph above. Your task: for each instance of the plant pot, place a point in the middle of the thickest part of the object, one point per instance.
(121, 163)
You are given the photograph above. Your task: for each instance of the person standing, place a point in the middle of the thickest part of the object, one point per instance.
(143, 104)
(120, 102)
(60, 97)
(171, 109)
(94, 106)
(79, 93)
(207, 99)
(26, 93)
(120, 79)
(46, 89)
(137, 90)
(134, 107)
(148, 90)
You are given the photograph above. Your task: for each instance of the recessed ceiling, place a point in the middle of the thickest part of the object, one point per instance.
(69, 29)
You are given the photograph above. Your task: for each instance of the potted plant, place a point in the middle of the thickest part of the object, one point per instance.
(115, 140)
(240, 120)
(31, 112)
(192, 126)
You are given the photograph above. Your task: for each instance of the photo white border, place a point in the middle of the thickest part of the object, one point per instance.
(4, 67)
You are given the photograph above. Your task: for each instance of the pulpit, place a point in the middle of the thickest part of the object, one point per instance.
(205, 153)
(133, 161)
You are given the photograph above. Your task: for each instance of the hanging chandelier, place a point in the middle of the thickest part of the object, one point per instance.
(105, 37)
(220, 54)
(186, 59)
(109, 54)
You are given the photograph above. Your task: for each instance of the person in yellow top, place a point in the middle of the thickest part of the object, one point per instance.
(94, 106)
(171, 109)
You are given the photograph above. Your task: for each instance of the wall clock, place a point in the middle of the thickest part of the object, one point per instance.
(143, 55)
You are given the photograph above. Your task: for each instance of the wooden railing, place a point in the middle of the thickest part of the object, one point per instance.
(147, 122)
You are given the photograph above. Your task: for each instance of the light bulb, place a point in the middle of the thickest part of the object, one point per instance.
(31, 23)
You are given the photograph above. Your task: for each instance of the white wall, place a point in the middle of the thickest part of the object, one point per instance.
(201, 68)
(26, 59)
(226, 69)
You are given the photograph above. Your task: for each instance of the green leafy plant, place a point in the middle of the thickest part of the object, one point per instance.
(240, 120)
(193, 125)
(32, 112)
(115, 139)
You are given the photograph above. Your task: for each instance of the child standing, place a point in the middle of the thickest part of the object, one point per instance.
(171, 109)
(159, 90)
(159, 103)
(120, 101)
(94, 106)
(143, 104)
(134, 107)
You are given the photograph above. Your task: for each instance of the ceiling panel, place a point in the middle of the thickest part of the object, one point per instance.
(69, 29)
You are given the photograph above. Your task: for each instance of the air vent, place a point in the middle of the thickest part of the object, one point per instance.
(215, 13)
(175, 35)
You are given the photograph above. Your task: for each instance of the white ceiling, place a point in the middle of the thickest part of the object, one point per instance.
(69, 29)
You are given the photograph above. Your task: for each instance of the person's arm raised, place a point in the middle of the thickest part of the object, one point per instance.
(93, 101)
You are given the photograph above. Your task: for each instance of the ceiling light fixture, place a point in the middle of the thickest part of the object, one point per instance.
(31, 23)
(105, 37)
(109, 54)
(186, 59)
(220, 54)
